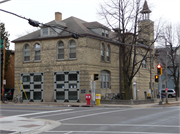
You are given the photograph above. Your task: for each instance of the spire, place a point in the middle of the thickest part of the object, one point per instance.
(145, 8)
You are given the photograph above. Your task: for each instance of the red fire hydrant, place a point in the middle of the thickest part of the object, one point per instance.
(88, 98)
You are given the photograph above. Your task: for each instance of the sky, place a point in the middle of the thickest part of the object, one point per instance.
(44, 11)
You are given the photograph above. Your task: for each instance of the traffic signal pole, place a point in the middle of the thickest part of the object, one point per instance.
(4, 56)
(160, 102)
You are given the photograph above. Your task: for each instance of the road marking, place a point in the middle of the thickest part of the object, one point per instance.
(96, 114)
(65, 113)
(42, 112)
(24, 107)
(69, 132)
(132, 125)
(109, 132)
(19, 110)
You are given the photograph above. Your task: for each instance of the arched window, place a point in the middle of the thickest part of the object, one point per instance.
(26, 53)
(37, 52)
(108, 53)
(102, 52)
(60, 51)
(72, 49)
(105, 79)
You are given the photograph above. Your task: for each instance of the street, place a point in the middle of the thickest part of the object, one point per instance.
(95, 120)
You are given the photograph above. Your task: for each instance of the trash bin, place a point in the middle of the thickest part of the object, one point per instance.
(88, 98)
(98, 98)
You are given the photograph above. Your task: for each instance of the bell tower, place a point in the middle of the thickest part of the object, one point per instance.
(146, 26)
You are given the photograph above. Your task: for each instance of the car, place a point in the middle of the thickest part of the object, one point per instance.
(9, 92)
(171, 93)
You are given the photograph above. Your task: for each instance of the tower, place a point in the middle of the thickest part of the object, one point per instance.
(146, 26)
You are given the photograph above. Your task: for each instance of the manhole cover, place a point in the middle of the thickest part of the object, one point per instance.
(5, 132)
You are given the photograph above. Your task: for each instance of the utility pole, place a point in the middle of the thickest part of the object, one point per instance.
(166, 71)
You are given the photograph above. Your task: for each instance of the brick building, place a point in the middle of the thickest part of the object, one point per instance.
(57, 67)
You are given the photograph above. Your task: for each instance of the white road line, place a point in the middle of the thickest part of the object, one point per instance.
(19, 110)
(110, 132)
(69, 132)
(65, 113)
(97, 114)
(132, 125)
(44, 112)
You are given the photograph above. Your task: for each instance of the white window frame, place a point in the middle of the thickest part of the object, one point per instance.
(103, 32)
(144, 63)
(36, 50)
(25, 51)
(102, 52)
(60, 48)
(72, 47)
(105, 79)
(108, 53)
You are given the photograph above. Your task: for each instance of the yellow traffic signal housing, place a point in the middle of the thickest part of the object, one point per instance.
(95, 77)
(156, 78)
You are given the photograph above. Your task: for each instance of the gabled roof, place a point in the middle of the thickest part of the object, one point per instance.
(72, 24)
(145, 8)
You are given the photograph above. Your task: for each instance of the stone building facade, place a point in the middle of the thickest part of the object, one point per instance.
(54, 66)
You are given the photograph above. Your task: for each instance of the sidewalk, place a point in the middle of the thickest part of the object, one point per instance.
(69, 104)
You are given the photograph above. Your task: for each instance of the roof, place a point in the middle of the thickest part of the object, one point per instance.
(72, 24)
(145, 8)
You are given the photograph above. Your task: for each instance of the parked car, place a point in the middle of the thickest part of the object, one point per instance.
(9, 92)
(171, 93)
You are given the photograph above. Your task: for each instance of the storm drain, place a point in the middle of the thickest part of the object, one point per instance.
(6, 132)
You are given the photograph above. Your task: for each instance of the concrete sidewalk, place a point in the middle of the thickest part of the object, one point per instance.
(69, 104)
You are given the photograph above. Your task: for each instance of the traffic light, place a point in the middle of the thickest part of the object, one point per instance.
(1, 58)
(95, 77)
(156, 78)
(159, 69)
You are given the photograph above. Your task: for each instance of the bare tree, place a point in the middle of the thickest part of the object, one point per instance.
(172, 49)
(130, 20)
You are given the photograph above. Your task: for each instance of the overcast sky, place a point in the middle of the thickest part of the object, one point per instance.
(44, 10)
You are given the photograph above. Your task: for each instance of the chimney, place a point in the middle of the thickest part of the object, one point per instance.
(58, 16)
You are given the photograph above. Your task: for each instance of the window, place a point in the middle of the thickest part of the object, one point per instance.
(60, 77)
(52, 31)
(103, 32)
(144, 63)
(102, 52)
(37, 78)
(37, 52)
(105, 79)
(72, 77)
(45, 31)
(107, 33)
(60, 47)
(72, 49)
(108, 53)
(26, 79)
(26, 53)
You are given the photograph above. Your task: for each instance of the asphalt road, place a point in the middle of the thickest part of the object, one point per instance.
(96, 120)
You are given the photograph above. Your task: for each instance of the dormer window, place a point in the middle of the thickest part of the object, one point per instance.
(103, 32)
(47, 31)
(107, 33)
